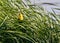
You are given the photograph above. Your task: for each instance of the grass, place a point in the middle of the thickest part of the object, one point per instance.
(36, 27)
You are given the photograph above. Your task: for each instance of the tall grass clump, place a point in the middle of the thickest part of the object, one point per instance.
(37, 26)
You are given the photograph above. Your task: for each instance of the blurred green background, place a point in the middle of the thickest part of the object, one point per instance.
(38, 25)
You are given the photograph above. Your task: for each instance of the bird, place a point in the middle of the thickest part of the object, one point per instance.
(20, 16)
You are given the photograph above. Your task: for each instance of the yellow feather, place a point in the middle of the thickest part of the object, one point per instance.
(20, 16)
